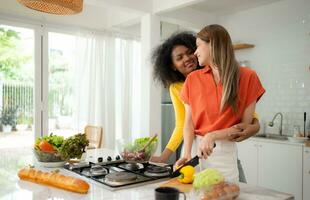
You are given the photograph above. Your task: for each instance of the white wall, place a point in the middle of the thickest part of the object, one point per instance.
(150, 92)
(281, 57)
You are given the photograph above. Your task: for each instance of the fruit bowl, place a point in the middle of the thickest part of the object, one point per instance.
(134, 151)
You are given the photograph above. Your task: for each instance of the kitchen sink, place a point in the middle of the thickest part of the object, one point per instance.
(272, 136)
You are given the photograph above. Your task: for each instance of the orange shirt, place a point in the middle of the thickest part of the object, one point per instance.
(204, 97)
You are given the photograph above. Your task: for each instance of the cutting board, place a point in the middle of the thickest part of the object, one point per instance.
(308, 143)
(176, 184)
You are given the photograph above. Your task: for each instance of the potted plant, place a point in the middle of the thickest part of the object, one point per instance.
(8, 118)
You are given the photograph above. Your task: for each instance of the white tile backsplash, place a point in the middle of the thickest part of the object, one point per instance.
(281, 57)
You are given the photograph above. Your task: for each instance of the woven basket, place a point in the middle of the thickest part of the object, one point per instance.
(58, 7)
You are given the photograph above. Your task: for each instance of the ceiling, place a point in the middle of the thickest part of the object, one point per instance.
(93, 16)
(220, 7)
(125, 15)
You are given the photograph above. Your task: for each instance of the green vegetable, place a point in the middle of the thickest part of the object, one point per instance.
(139, 143)
(54, 140)
(74, 146)
(207, 178)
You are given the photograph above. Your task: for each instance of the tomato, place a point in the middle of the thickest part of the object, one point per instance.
(46, 147)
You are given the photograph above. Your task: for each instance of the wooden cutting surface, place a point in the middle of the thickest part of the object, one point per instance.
(176, 184)
(308, 143)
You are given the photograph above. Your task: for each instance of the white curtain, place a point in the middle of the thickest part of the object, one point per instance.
(105, 85)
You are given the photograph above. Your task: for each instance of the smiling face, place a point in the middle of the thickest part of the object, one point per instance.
(183, 60)
(203, 52)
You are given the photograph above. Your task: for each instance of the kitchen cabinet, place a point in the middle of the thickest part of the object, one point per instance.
(306, 173)
(273, 165)
(248, 153)
(280, 167)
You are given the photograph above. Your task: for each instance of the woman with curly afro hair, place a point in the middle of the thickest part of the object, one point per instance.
(173, 60)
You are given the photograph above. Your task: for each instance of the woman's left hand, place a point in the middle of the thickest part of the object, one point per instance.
(156, 159)
(206, 146)
(247, 131)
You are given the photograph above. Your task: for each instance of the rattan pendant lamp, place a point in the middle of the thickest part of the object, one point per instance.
(58, 7)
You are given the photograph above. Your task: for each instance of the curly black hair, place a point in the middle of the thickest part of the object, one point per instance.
(162, 59)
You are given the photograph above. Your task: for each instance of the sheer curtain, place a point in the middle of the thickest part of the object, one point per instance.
(106, 79)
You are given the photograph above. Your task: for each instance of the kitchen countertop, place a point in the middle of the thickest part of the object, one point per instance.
(254, 138)
(12, 188)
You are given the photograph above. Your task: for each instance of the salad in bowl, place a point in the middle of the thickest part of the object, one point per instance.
(139, 150)
(53, 148)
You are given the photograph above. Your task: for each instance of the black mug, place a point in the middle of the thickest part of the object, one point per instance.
(168, 193)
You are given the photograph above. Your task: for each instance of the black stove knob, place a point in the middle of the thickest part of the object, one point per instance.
(100, 159)
(117, 157)
(109, 158)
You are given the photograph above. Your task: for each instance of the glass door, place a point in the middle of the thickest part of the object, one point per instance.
(17, 69)
(61, 54)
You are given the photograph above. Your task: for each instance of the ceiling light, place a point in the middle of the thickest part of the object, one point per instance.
(58, 7)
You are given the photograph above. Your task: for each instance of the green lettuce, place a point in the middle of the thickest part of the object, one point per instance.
(207, 178)
(54, 140)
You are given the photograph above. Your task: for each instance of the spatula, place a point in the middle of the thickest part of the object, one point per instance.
(148, 143)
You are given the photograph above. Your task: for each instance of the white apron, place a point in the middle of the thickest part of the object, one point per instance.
(223, 158)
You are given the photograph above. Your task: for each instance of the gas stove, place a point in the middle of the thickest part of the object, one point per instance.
(114, 173)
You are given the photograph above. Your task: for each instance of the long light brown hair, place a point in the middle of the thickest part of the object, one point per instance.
(223, 57)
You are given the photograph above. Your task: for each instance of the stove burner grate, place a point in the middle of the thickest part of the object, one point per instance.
(120, 177)
(117, 175)
(131, 166)
(156, 171)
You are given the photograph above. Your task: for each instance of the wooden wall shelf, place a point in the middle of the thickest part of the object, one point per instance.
(243, 46)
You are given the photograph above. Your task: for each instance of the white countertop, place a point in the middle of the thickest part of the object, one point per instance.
(12, 188)
(288, 142)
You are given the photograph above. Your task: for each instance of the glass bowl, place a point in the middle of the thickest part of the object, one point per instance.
(132, 151)
(47, 157)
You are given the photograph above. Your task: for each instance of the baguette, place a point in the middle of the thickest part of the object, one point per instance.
(54, 179)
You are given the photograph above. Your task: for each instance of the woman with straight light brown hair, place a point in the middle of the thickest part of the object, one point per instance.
(216, 98)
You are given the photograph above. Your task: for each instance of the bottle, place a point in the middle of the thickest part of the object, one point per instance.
(296, 131)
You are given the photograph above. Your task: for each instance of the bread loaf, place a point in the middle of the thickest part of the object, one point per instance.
(54, 179)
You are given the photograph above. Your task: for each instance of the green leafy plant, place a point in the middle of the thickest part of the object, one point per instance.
(12, 57)
(9, 116)
(74, 146)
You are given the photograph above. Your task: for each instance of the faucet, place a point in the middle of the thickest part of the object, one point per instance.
(271, 123)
